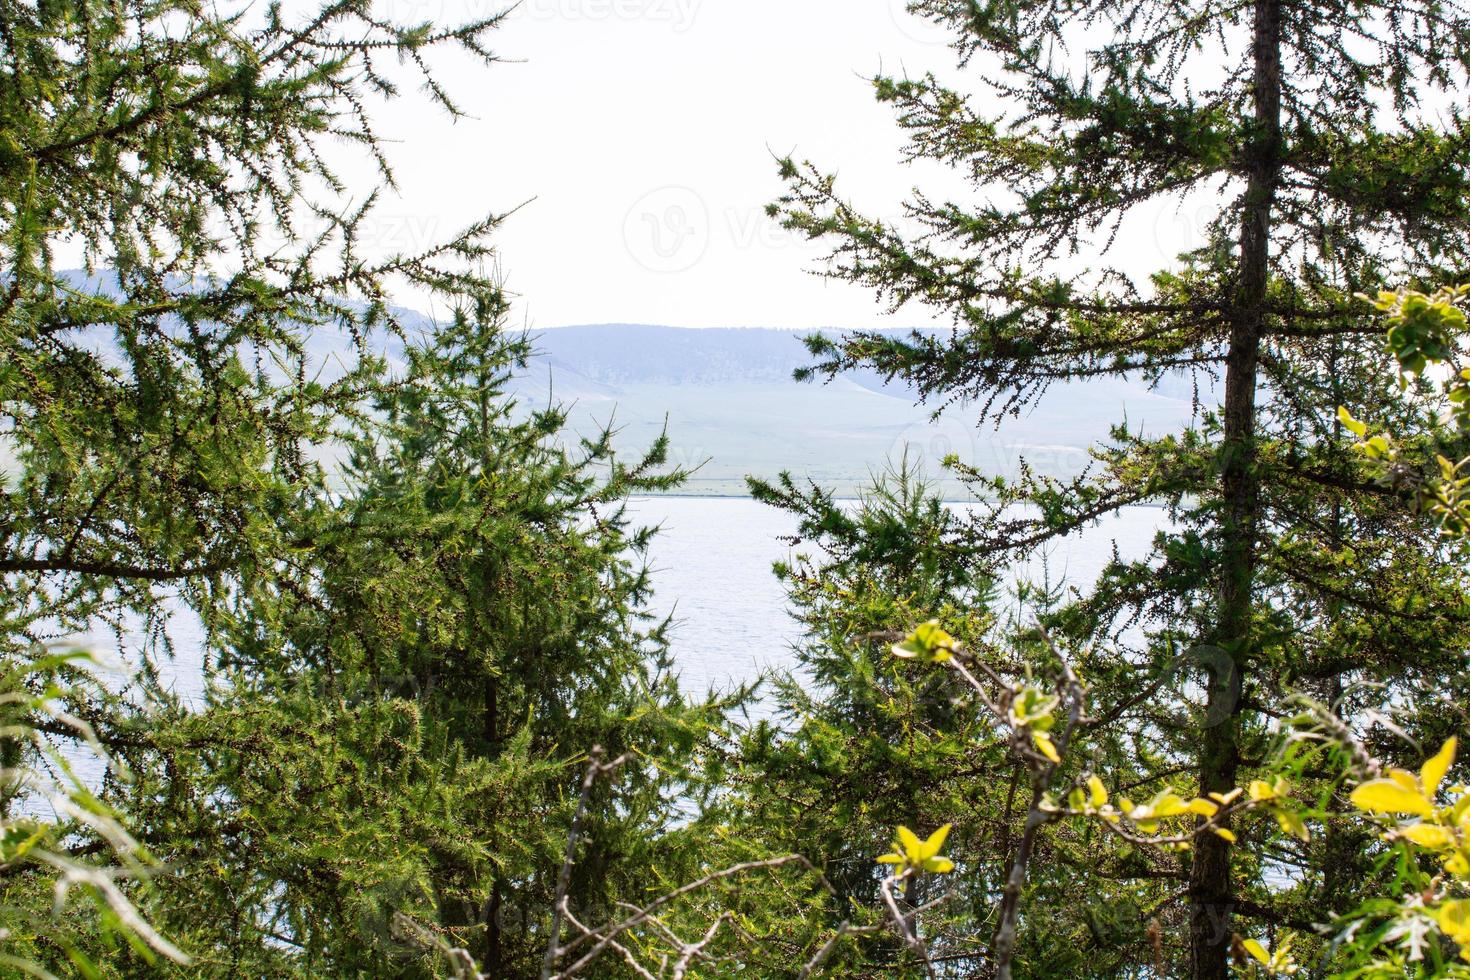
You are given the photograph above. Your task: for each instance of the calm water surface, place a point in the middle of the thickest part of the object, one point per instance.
(711, 564)
(712, 573)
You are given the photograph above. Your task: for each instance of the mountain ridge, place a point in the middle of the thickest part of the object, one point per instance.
(732, 407)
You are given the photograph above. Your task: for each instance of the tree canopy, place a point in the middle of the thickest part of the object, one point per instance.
(1321, 131)
(439, 731)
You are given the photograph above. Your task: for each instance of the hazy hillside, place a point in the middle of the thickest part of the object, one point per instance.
(732, 408)
(616, 353)
(730, 404)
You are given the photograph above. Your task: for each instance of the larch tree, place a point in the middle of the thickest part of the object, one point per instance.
(160, 407)
(161, 404)
(403, 659)
(1329, 139)
(409, 703)
(162, 410)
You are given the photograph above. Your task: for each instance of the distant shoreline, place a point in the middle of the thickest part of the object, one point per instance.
(720, 495)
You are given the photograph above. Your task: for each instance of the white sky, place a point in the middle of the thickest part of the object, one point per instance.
(642, 133)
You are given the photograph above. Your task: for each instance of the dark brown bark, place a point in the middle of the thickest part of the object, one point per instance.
(490, 959)
(107, 569)
(1210, 887)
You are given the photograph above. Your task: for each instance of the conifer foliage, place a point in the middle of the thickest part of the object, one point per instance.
(438, 733)
(1325, 137)
(422, 604)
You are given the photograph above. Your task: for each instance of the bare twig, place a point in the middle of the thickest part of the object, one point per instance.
(604, 934)
(595, 768)
(689, 951)
(827, 948)
(592, 941)
(905, 923)
(1037, 815)
(461, 964)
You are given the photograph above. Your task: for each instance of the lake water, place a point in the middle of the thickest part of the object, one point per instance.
(711, 567)
(711, 564)
(712, 573)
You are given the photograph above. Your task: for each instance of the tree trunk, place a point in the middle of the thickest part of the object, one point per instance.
(1210, 887)
(490, 959)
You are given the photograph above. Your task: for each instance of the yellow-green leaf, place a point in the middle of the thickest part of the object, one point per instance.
(1434, 770)
(1098, 792)
(1261, 790)
(1256, 950)
(1427, 835)
(1460, 811)
(935, 842)
(1292, 823)
(1454, 919)
(928, 639)
(1203, 807)
(1224, 833)
(1168, 805)
(1405, 779)
(1353, 425)
(1045, 747)
(1388, 796)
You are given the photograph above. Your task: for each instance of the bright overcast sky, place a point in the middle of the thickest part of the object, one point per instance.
(641, 133)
